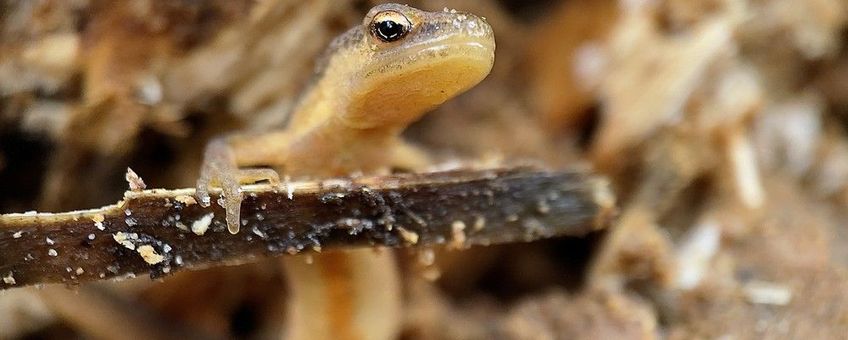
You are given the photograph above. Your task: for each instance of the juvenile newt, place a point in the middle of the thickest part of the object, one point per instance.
(372, 82)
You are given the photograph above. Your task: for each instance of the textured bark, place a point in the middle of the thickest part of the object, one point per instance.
(157, 231)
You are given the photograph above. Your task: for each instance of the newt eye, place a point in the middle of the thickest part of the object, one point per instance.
(389, 26)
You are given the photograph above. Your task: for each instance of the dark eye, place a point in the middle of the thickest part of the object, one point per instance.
(389, 30)
(390, 26)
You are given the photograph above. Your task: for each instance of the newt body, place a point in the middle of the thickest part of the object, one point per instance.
(373, 81)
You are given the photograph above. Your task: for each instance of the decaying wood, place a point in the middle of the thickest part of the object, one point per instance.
(163, 231)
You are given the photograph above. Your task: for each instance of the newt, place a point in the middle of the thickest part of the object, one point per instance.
(370, 84)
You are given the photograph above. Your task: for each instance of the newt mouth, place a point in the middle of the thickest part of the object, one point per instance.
(454, 44)
(442, 54)
(467, 48)
(443, 51)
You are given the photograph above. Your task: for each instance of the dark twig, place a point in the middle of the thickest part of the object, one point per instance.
(162, 231)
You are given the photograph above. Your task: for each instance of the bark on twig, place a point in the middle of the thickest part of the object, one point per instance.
(162, 231)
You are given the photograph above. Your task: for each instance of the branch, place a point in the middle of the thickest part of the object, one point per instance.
(163, 231)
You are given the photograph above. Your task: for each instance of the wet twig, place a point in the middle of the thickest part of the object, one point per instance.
(162, 231)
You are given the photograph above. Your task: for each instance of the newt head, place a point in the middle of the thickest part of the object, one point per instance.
(402, 62)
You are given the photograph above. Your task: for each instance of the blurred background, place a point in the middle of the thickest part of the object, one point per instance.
(721, 125)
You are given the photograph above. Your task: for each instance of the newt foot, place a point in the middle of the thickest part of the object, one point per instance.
(220, 169)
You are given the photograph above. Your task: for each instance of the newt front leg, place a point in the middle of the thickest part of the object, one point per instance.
(222, 164)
